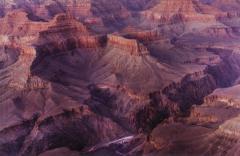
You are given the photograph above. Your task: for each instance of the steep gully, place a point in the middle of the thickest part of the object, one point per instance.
(203, 87)
(87, 119)
(191, 90)
(173, 100)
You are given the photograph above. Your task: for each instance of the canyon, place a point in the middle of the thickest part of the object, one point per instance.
(119, 77)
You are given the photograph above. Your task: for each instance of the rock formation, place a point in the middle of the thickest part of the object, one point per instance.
(177, 11)
(112, 78)
(124, 44)
(17, 24)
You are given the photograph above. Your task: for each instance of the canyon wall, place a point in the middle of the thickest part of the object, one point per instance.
(124, 44)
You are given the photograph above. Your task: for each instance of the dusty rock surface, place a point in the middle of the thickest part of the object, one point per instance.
(119, 77)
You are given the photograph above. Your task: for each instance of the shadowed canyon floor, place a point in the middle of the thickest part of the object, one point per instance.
(119, 77)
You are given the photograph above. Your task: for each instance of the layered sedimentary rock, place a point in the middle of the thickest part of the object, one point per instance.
(107, 77)
(215, 125)
(142, 35)
(229, 96)
(183, 17)
(75, 35)
(124, 44)
(229, 5)
(16, 23)
(218, 106)
(22, 67)
(177, 11)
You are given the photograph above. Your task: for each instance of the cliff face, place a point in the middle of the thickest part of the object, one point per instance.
(110, 77)
(177, 11)
(18, 67)
(229, 5)
(215, 106)
(130, 45)
(213, 124)
(67, 34)
(22, 67)
(142, 35)
(16, 23)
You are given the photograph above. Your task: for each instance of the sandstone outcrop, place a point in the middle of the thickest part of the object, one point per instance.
(176, 11)
(229, 96)
(221, 105)
(75, 35)
(142, 35)
(21, 67)
(96, 77)
(230, 128)
(130, 45)
(215, 121)
(16, 23)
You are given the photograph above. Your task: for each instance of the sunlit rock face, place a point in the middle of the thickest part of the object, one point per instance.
(175, 11)
(129, 45)
(118, 77)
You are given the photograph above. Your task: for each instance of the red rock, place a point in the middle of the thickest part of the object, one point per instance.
(130, 45)
(107, 77)
(177, 11)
